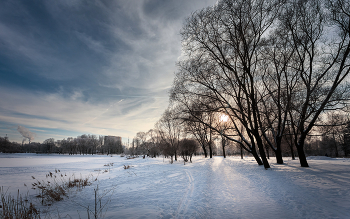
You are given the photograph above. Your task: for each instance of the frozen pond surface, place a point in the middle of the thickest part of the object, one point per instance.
(206, 188)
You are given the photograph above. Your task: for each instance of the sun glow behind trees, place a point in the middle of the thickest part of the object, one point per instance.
(224, 118)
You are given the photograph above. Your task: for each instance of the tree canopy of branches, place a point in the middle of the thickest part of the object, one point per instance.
(267, 65)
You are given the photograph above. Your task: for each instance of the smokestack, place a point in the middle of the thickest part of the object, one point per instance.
(25, 133)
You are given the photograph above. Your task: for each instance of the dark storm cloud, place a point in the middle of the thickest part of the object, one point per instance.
(49, 41)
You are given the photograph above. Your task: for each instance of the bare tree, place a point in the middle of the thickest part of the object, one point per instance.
(321, 62)
(187, 148)
(331, 128)
(143, 146)
(153, 141)
(198, 121)
(170, 132)
(288, 137)
(49, 145)
(199, 131)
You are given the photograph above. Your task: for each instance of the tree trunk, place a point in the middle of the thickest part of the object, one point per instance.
(335, 146)
(262, 153)
(292, 151)
(278, 153)
(302, 157)
(205, 151)
(210, 151)
(267, 152)
(263, 158)
(241, 152)
(300, 149)
(301, 153)
(256, 156)
(223, 146)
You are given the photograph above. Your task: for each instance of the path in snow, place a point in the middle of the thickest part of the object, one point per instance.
(221, 190)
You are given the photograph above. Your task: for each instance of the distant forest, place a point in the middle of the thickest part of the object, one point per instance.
(84, 144)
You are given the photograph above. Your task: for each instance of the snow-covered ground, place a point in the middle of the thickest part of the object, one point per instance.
(206, 188)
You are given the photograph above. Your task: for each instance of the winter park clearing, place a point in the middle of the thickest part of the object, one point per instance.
(206, 188)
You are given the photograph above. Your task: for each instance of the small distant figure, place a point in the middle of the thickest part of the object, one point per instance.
(326, 155)
(143, 156)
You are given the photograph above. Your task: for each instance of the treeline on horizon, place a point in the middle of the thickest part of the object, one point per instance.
(84, 144)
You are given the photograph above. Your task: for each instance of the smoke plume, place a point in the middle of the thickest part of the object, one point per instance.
(25, 133)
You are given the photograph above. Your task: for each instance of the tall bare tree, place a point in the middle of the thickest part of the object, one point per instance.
(319, 33)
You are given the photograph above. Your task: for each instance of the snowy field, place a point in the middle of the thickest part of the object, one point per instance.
(206, 188)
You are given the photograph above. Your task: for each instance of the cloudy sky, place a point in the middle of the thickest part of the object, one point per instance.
(75, 67)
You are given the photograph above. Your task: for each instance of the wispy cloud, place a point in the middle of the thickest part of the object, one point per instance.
(51, 111)
(66, 65)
